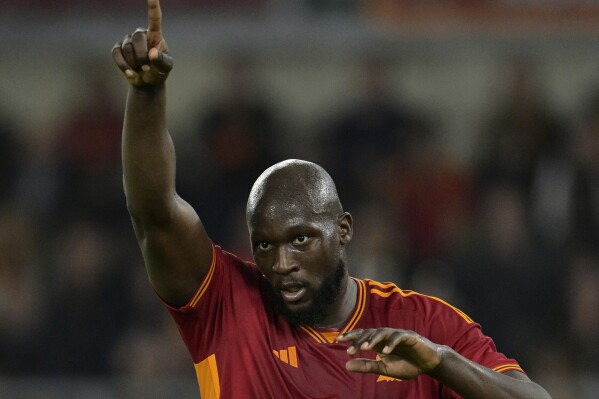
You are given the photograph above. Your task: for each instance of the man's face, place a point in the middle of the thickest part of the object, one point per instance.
(299, 253)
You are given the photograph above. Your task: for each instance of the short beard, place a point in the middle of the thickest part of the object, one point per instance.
(323, 298)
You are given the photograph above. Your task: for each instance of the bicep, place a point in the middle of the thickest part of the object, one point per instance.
(517, 375)
(177, 253)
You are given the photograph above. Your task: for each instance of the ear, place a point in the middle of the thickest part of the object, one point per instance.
(345, 223)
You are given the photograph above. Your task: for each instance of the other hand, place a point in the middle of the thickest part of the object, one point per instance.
(402, 354)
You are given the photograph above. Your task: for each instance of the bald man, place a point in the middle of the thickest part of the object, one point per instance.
(288, 325)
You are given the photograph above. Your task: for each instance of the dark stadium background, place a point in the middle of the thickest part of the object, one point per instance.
(463, 135)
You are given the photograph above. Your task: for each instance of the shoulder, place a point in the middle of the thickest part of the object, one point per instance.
(435, 319)
(233, 263)
(227, 273)
(414, 305)
(231, 270)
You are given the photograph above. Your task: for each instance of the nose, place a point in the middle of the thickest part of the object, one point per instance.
(284, 262)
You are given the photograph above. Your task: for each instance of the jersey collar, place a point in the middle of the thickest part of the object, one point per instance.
(328, 335)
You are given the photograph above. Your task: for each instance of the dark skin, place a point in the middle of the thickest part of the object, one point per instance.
(297, 227)
(299, 235)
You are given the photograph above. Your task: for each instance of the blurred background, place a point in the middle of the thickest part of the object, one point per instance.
(463, 136)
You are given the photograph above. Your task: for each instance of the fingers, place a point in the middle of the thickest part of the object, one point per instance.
(366, 340)
(349, 336)
(154, 17)
(382, 340)
(117, 56)
(143, 56)
(391, 366)
(139, 41)
(154, 31)
(129, 53)
(161, 61)
(140, 66)
(366, 366)
(396, 339)
(356, 337)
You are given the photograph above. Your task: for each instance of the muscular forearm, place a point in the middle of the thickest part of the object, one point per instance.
(473, 381)
(148, 155)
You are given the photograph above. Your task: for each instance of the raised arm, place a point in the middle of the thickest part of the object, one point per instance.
(406, 355)
(176, 249)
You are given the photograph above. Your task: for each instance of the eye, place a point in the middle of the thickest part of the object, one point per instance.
(301, 239)
(263, 245)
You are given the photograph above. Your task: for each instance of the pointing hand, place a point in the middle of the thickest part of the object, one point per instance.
(143, 55)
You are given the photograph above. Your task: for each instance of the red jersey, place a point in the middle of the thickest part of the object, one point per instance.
(242, 348)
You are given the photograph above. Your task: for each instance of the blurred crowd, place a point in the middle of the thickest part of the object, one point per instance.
(511, 237)
(317, 6)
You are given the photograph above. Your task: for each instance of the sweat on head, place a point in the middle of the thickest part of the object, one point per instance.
(294, 183)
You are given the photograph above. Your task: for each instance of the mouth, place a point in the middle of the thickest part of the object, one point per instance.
(292, 291)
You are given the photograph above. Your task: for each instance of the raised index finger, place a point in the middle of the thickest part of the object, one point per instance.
(154, 16)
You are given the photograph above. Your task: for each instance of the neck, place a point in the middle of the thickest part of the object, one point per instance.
(341, 310)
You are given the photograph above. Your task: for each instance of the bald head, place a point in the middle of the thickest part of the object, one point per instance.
(292, 184)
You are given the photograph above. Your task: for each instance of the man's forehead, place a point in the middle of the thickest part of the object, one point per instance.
(285, 210)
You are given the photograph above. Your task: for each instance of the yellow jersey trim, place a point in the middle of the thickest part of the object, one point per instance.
(359, 308)
(382, 290)
(329, 336)
(314, 334)
(206, 281)
(208, 380)
(507, 367)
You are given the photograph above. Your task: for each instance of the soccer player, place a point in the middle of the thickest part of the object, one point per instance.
(289, 325)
